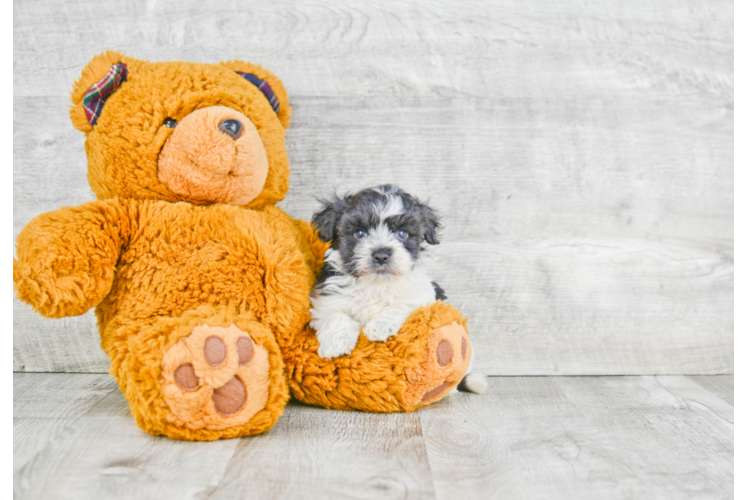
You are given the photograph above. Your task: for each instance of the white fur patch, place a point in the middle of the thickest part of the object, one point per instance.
(393, 206)
(379, 302)
(475, 383)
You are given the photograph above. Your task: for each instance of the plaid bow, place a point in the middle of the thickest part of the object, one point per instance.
(96, 96)
(264, 87)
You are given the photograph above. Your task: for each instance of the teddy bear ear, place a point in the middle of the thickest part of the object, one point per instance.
(100, 78)
(268, 83)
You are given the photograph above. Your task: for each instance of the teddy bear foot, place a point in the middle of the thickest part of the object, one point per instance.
(446, 360)
(217, 375)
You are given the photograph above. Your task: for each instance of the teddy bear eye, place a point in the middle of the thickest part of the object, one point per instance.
(170, 122)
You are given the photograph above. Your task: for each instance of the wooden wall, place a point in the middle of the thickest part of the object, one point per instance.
(581, 154)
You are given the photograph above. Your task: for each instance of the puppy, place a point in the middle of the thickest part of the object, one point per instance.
(371, 277)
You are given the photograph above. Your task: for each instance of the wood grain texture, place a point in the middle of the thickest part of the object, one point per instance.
(721, 385)
(581, 155)
(581, 437)
(45, 405)
(315, 453)
(104, 454)
(526, 437)
(414, 49)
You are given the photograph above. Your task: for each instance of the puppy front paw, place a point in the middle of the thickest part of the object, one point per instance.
(336, 345)
(380, 328)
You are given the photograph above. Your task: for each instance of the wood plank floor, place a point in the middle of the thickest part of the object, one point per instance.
(664, 437)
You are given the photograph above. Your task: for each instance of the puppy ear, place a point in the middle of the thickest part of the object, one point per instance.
(326, 220)
(431, 224)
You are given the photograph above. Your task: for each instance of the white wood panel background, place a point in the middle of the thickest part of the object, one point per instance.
(580, 153)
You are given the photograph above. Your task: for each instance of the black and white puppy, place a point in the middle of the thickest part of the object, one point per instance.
(371, 277)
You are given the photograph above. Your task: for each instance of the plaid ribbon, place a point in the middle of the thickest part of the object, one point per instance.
(99, 92)
(264, 87)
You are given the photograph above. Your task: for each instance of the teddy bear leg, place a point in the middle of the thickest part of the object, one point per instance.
(208, 374)
(416, 367)
(444, 364)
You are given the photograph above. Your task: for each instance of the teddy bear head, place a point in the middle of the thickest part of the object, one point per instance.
(178, 131)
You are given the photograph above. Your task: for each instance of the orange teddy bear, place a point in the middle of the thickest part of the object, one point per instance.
(201, 285)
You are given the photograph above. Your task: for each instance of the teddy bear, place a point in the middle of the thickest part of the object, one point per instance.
(201, 284)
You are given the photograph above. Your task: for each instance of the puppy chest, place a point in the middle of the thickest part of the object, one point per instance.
(370, 299)
(374, 299)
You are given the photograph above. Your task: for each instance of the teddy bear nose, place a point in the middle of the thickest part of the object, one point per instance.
(232, 128)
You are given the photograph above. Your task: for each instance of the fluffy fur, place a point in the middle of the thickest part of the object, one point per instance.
(473, 382)
(343, 303)
(159, 264)
(371, 277)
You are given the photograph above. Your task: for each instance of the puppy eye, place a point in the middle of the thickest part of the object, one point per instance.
(360, 234)
(170, 122)
(402, 234)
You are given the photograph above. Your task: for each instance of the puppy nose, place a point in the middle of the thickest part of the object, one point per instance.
(232, 128)
(381, 255)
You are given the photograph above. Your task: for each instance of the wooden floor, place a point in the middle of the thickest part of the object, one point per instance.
(637, 437)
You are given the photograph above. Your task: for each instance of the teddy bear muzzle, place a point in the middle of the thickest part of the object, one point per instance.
(214, 155)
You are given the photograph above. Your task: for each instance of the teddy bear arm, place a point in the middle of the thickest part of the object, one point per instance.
(67, 258)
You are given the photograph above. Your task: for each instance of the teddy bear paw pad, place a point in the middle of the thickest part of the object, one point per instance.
(215, 378)
(447, 358)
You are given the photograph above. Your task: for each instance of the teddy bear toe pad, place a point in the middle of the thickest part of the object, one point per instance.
(215, 378)
(445, 362)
